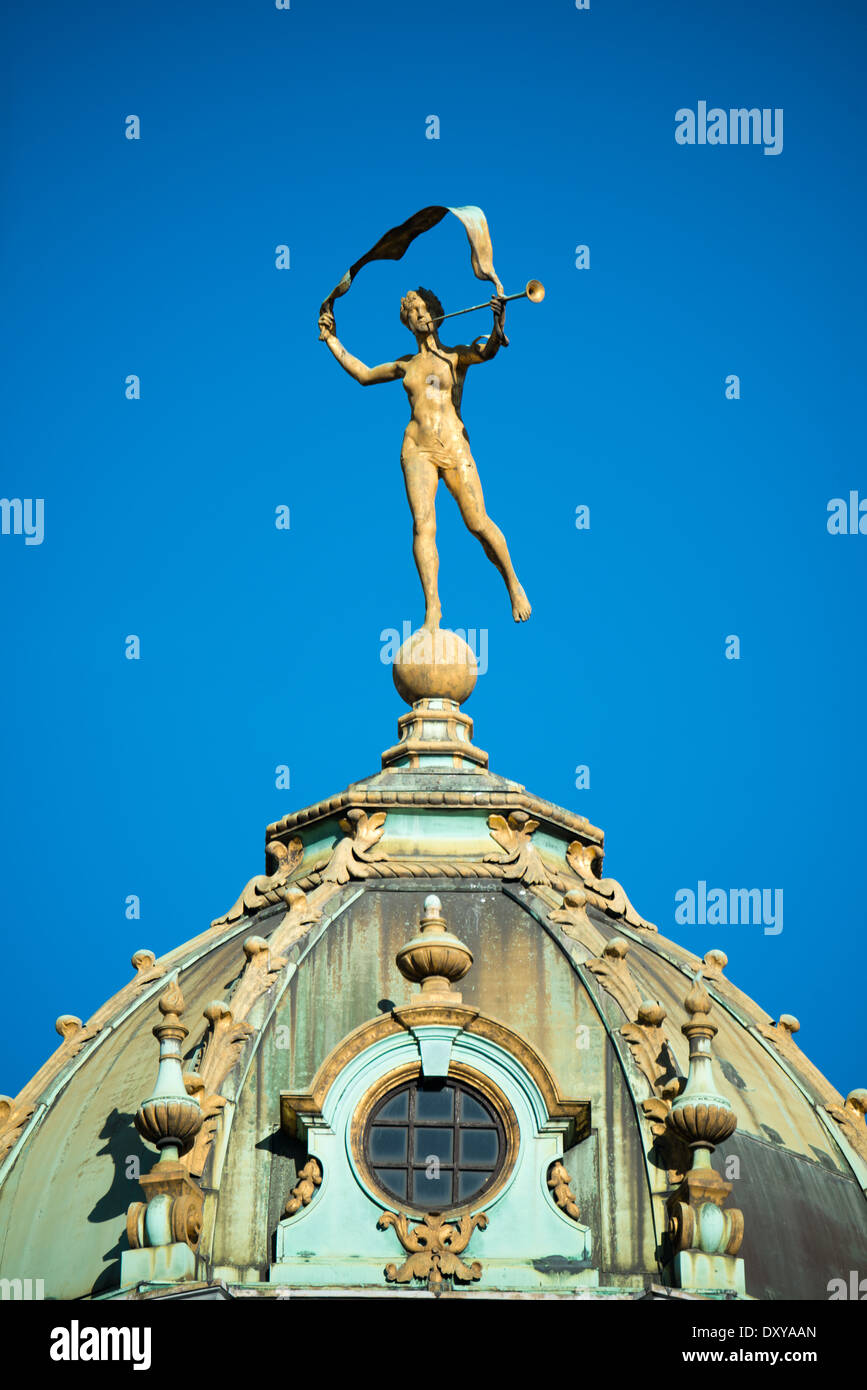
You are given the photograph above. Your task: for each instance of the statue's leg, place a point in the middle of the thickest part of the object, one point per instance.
(421, 477)
(463, 483)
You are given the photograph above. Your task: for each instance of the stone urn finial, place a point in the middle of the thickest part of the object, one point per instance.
(435, 958)
(169, 1118)
(700, 1116)
(700, 1224)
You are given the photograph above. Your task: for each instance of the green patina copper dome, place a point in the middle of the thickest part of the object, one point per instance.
(594, 1078)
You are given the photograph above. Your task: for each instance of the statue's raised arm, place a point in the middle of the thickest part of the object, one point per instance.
(368, 376)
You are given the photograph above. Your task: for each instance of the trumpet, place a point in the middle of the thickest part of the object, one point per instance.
(534, 290)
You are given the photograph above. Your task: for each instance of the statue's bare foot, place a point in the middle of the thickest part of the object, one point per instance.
(432, 618)
(521, 608)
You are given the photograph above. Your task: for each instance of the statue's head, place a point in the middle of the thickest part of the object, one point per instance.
(418, 309)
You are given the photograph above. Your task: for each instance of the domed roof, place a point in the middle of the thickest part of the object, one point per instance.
(567, 1026)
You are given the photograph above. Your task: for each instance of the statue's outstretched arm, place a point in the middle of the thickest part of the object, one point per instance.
(358, 370)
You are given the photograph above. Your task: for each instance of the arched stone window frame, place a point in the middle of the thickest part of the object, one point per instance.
(335, 1237)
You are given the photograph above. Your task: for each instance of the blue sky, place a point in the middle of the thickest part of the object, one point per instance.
(261, 647)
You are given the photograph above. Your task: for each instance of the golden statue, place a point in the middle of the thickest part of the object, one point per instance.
(436, 444)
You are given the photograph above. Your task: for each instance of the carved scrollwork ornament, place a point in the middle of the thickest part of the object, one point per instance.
(266, 889)
(302, 1194)
(650, 1047)
(605, 894)
(434, 1246)
(673, 1152)
(135, 1225)
(701, 1222)
(178, 1220)
(560, 1183)
(850, 1117)
(354, 855)
(187, 1218)
(521, 860)
(229, 1030)
(614, 974)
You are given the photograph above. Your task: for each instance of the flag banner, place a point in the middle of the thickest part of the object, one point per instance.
(394, 244)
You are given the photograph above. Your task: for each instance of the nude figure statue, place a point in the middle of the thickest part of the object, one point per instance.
(436, 444)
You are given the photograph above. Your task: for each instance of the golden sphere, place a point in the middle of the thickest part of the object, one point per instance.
(435, 666)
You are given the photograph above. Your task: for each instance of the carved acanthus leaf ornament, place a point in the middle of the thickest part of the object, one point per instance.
(850, 1117)
(572, 917)
(612, 971)
(266, 889)
(521, 860)
(650, 1047)
(712, 966)
(210, 1104)
(606, 894)
(434, 1247)
(309, 1178)
(229, 1030)
(560, 1184)
(672, 1150)
(353, 856)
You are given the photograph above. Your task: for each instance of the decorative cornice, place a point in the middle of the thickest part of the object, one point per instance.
(388, 868)
(434, 728)
(494, 799)
(356, 856)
